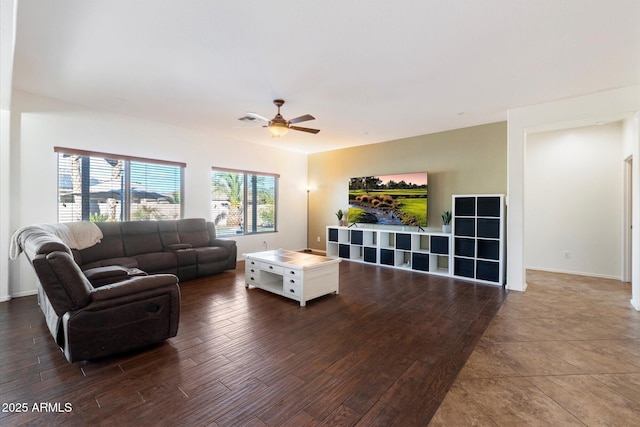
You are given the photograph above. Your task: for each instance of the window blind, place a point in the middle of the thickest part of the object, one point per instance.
(99, 187)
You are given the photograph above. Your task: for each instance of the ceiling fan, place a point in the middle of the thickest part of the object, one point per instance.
(279, 126)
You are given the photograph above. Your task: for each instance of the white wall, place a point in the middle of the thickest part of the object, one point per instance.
(630, 133)
(632, 143)
(574, 200)
(8, 10)
(7, 42)
(5, 197)
(617, 103)
(39, 124)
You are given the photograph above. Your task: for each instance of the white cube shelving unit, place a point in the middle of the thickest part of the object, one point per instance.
(474, 250)
(423, 251)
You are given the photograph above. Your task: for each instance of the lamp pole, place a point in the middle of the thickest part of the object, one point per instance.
(308, 191)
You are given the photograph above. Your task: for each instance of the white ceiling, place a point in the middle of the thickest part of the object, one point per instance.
(368, 70)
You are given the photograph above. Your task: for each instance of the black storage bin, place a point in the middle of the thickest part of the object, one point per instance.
(370, 255)
(356, 237)
(465, 227)
(386, 256)
(488, 249)
(489, 228)
(465, 206)
(489, 206)
(487, 270)
(333, 234)
(420, 261)
(344, 251)
(463, 267)
(403, 241)
(439, 245)
(464, 247)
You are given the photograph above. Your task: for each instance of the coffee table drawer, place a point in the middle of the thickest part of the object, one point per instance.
(251, 269)
(292, 287)
(293, 272)
(292, 281)
(252, 278)
(272, 268)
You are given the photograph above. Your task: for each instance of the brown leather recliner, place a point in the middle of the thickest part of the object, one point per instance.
(89, 323)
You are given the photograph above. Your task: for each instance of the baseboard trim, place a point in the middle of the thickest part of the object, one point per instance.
(21, 294)
(575, 273)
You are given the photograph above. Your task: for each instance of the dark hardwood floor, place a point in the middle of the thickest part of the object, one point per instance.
(383, 352)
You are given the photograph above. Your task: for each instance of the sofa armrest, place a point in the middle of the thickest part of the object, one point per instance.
(109, 271)
(137, 284)
(100, 276)
(225, 243)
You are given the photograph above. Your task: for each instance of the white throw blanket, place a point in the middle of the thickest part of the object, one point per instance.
(76, 235)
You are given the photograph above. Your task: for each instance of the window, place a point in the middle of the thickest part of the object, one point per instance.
(107, 187)
(243, 202)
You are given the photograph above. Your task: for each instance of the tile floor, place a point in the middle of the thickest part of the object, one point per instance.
(565, 353)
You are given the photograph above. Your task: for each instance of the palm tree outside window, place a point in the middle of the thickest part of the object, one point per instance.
(243, 202)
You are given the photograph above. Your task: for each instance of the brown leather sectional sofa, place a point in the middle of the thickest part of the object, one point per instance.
(122, 293)
(187, 248)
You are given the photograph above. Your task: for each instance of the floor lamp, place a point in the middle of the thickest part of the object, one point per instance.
(308, 191)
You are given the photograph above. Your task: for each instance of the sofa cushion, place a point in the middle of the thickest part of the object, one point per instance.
(211, 254)
(140, 237)
(193, 231)
(168, 230)
(158, 262)
(186, 257)
(55, 293)
(109, 247)
(69, 275)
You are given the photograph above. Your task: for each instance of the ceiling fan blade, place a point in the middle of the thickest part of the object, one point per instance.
(258, 116)
(304, 129)
(304, 118)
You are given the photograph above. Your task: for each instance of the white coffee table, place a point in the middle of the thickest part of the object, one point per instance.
(296, 275)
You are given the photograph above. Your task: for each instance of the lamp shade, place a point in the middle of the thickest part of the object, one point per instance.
(278, 129)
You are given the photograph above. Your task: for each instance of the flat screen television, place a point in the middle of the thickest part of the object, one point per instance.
(399, 199)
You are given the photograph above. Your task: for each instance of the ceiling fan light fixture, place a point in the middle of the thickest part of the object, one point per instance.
(279, 126)
(278, 129)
